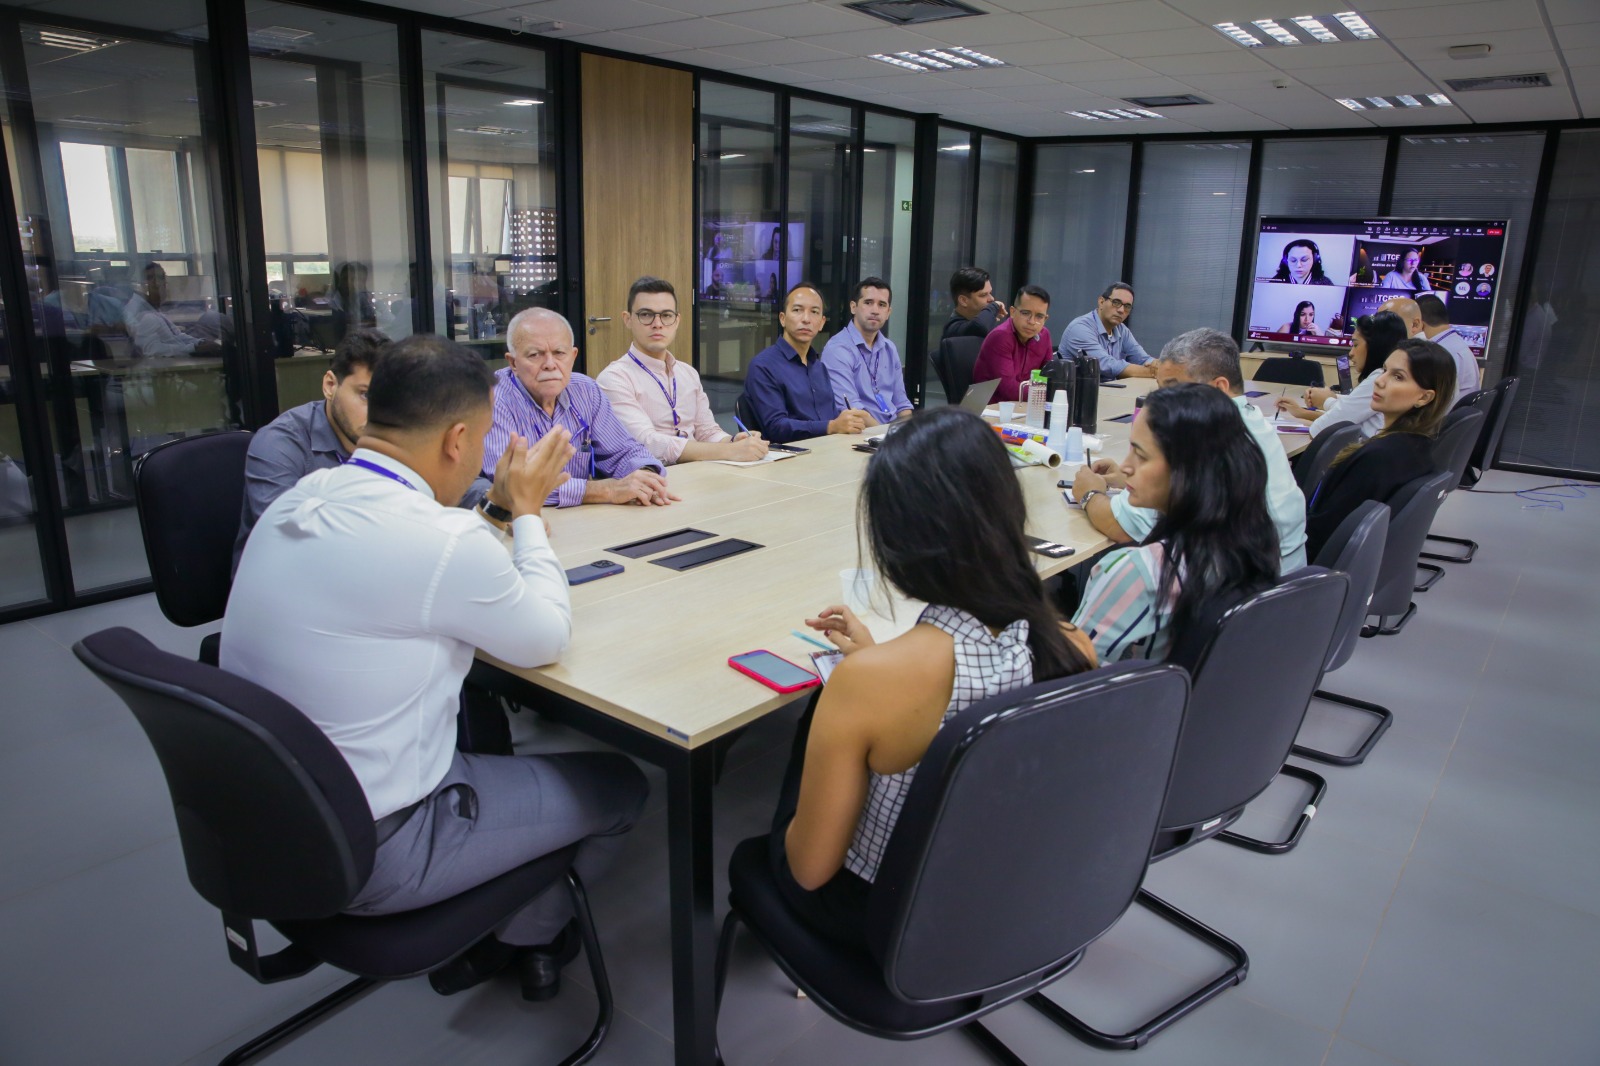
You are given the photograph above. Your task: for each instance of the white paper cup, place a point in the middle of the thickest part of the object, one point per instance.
(857, 588)
(1008, 411)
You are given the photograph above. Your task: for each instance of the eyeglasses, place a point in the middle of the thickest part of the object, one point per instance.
(1030, 316)
(1119, 305)
(650, 318)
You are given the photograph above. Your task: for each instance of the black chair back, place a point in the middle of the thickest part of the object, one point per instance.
(1457, 437)
(1411, 512)
(953, 362)
(1287, 370)
(272, 820)
(190, 493)
(1355, 550)
(745, 411)
(1252, 681)
(1494, 428)
(1313, 463)
(1026, 832)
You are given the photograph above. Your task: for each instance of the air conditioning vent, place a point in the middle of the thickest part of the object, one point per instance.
(1186, 100)
(1499, 81)
(914, 12)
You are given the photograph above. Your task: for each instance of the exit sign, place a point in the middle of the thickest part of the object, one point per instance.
(905, 205)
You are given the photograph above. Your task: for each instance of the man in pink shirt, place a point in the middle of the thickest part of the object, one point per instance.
(1017, 347)
(658, 398)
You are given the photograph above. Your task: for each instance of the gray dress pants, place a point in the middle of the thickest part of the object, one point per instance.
(491, 814)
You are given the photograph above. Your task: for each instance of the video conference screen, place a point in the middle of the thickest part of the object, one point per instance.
(1315, 277)
(739, 260)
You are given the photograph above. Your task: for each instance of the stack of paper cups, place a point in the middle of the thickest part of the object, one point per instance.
(1074, 445)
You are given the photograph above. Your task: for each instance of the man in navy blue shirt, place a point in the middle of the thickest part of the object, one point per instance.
(788, 386)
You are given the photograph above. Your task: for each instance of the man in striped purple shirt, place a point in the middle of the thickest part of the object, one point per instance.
(538, 391)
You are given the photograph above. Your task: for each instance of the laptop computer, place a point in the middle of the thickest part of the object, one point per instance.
(978, 394)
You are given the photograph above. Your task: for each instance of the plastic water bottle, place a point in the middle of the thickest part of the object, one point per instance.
(1038, 392)
(1057, 439)
(1074, 446)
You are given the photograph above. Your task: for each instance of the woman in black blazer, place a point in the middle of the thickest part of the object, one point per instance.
(1414, 392)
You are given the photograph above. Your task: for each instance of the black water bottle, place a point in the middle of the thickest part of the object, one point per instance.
(1086, 397)
(1059, 374)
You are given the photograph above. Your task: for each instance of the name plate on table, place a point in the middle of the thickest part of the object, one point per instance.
(694, 557)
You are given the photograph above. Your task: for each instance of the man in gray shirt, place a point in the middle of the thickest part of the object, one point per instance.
(1103, 334)
(313, 436)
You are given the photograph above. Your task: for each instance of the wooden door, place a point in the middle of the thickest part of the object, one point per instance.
(638, 197)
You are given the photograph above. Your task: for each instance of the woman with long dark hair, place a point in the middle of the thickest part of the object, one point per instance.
(1303, 323)
(942, 515)
(1301, 264)
(1374, 338)
(1191, 459)
(1412, 395)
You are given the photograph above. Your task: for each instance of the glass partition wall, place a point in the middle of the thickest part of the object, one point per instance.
(132, 339)
(888, 166)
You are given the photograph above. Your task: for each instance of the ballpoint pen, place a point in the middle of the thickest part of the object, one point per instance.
(742, 427)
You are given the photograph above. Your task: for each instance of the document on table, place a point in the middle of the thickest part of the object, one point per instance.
(770, 457)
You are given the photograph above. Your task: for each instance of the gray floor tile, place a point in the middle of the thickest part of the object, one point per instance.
(136, 612)
(1348, 1053)
(1380, 803)
(48, 694)
(1464, 973)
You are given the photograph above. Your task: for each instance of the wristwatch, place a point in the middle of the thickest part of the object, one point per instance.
(1091, 494)
(495, 511)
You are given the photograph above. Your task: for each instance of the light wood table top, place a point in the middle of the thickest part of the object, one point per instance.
(650, 646)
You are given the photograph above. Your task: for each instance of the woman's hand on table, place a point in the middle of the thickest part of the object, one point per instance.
(840, 625)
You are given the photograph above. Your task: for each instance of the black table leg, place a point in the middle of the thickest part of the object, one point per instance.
(694, 936)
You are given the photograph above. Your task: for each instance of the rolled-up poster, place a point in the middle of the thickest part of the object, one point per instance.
(1032, 452)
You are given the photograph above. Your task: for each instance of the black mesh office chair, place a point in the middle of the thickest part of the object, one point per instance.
(1451, 450)
(1411, 512)
(745, 411)
(190, 494)
(274, 826)
(1290, 370)
(1495, 402)
(1311, 464)
(1245, 707)
(953, 362)
(1355, 550)
(964, 919)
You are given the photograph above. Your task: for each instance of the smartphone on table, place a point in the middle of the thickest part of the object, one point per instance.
(593, 571)
(774, 671)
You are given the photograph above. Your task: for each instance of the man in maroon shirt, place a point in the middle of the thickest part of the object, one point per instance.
(1017, 347)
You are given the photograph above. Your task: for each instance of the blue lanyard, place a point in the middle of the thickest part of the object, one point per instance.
(672, 398)
(376, 469)
(550, 422)
(872, 354)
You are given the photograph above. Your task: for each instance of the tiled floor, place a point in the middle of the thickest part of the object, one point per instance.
(1444, 908)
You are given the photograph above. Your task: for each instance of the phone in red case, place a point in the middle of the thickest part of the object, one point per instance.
(774, 671)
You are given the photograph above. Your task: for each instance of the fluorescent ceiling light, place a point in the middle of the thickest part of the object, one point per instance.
(1276, 32)
(1357, 26)
(1312, 25)
(523, 103)
(1354, 105)
(1441, 100)
(1232, 30)
(1409, 101)
(925, 60)
(1115, 114)
(972, 53)
(731, 155)
(1379, 101)
(1089, 171)
(949, 58)
(956, 148)
(952, 59)
(897, 62)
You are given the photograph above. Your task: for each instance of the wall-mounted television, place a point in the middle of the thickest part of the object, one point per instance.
(739, 260)
(1313, 277)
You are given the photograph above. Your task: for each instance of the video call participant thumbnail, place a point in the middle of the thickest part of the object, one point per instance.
(1301, 264)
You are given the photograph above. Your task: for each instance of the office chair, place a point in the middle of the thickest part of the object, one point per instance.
(745, 411)
(1451, 450)
(1311, 464)
(1411, 512)
(964, 919)
(953, 361)
(1495, 402)
(190, 493)
(274, 826)
(1355, 550)
(1290, 370)
(1246, 704)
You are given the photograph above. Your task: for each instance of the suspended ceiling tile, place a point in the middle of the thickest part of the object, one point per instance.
(703, 33)
(1572, 12)
(865, 42)
(1376, 78)
(722, 7)
(1141, 15)
(1490, 16)
(1048, 50)
(998, 77)
(779, 51)
(1519, 105)
(1322, 56)
(801, 20)
(1241, 61)
(987, 30)
(1584, 36)
(864, 69)
(1502, 45)
(1057, 96)
(1093, 70)
(940, 98)
(1150, 85)
(610, 15)
(1028, 7)
(1165, 42)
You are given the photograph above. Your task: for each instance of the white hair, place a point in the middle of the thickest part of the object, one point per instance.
(529, 315)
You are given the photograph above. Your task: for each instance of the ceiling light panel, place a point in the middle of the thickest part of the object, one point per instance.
(1298, 29)
(1399, 102)
(941, 59)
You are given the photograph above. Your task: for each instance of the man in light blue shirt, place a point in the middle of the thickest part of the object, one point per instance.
(1103, 333)
(1211, 358)
(862, 361)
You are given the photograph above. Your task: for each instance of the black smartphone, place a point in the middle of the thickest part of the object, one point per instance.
(1342, 362)
(593, 571)
(1112, 385)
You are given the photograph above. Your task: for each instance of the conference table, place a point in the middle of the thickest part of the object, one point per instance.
(647, 669)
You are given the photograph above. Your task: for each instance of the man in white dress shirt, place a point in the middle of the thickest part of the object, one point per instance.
(659, 398)
(1437, 328)
(361, 599)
